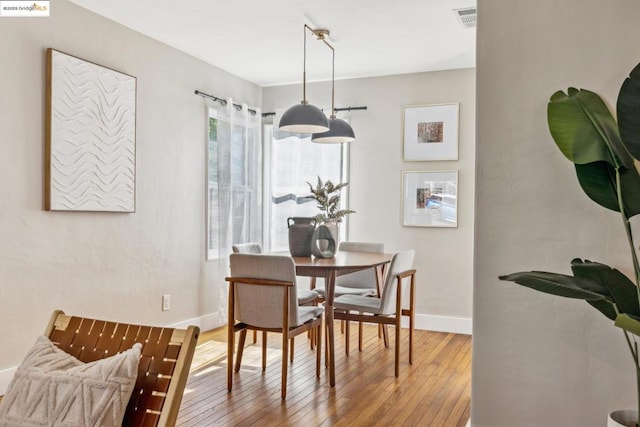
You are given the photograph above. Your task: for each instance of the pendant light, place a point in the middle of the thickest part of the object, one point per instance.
(339, 130)
(304, 117)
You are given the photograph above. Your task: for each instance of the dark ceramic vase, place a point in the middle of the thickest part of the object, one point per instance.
(300, 233)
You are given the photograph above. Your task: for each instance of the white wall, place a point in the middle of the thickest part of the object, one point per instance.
(540, 360)
(105, 265)
(443, 255)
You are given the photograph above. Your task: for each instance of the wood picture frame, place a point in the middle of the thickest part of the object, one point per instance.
(430, 198)
(430, 132)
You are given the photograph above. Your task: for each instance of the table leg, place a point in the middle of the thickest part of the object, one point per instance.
(329, 284)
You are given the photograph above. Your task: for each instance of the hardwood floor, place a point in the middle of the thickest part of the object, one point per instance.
(434, 391)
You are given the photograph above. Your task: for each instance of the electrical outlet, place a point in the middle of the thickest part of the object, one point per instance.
(166, 302)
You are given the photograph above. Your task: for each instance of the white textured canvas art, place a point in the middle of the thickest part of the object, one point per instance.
(91, 129)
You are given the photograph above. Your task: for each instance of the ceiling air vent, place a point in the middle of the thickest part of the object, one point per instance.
(467, 16)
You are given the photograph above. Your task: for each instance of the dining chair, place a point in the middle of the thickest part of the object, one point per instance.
(305, 296)
(386, 309)
(262, 291)
(363, 282)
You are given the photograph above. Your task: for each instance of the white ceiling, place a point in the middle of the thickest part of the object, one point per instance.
(262, 41)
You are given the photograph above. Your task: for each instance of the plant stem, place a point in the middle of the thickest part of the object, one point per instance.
(633, 348)
(629, 232)
(635, 357)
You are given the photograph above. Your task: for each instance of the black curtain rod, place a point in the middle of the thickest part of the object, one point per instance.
(223, 102)
(336, 109)
(238, 107)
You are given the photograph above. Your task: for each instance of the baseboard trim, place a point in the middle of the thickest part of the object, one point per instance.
(205, 323)
(454, 325)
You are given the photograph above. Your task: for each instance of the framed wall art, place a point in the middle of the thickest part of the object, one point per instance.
(431, 132)
(430, 198)
(90, 136)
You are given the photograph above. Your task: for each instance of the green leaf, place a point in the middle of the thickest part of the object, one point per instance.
(584, 129)
(558, 284)
(628, 108)
(598, 180)
(622, 290)
(628, 323)
(605, 307)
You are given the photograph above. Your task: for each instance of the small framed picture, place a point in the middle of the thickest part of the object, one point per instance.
(430, 199)
(431, 132)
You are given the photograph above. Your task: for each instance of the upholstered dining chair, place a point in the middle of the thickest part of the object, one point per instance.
(262, 291)
(363, 282)
(305, 296)
(386, 309)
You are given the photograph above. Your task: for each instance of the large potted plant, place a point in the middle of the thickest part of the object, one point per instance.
(603, 152)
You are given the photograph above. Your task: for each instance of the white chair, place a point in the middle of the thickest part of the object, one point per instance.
(262, 291)
(361, 282)
(305, 296)
(387, 309)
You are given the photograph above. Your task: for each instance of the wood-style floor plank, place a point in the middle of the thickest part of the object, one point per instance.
(433, 391)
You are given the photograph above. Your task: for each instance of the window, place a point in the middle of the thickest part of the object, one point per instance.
(291, 162)
(234, 197)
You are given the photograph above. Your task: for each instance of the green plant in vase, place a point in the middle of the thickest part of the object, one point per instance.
(603, 153)
(327, 196)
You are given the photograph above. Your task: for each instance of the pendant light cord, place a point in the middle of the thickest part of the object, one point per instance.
(304, 64)
(333, 80)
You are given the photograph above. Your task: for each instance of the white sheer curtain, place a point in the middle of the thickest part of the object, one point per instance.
(292, 161)
(239, 183)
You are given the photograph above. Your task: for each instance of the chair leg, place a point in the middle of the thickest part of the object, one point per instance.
(285, 363)
(264, 350)
(255, 337)
(326, 344)
(346, 336)
(318, 335)
(397, 349)
(385, 335)
(411, 327)
(291, 349)
(243, 336)
(312, 338)
(230, 335)
(412, 315)
(359, 336)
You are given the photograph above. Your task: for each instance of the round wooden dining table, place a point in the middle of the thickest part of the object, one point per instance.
(329, 268)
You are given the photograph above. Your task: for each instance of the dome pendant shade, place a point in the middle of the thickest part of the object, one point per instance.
(339, 132)
(304, 118)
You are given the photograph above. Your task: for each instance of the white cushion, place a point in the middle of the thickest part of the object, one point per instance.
(306, 296)
(53, 388)
(309, 312)
(342, 290)
(358, 303)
